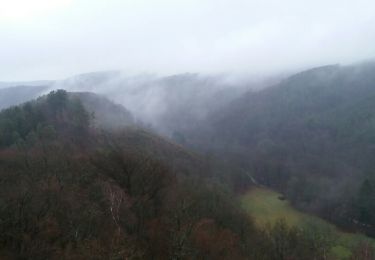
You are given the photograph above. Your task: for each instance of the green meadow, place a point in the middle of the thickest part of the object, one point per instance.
(266, 208)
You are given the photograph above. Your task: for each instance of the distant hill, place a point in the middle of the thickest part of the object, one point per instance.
(168, 104)
(16, 95)
(5, 84)
(107, 115)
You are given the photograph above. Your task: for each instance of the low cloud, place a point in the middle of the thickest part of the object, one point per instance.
(168, 37)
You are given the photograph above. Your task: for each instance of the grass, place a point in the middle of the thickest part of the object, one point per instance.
(265, 207)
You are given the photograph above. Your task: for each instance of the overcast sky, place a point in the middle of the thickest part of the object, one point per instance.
(49, 39)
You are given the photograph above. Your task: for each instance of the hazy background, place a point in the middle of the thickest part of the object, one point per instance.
(53, 39)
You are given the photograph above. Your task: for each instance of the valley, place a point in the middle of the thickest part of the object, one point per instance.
(268, 207)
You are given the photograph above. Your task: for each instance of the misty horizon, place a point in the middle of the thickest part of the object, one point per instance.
(47, 40)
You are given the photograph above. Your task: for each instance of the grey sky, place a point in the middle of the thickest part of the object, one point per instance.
(48, 39)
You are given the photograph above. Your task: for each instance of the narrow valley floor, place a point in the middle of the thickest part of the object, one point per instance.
(267, 206)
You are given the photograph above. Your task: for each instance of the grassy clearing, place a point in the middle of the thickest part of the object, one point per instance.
(265, 207)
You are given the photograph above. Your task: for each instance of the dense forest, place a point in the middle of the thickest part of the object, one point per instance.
(72, 190)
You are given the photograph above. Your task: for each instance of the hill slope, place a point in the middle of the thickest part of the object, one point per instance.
(70, 190)
(310, 137)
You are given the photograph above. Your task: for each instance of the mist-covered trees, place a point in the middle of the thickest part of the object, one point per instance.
(56, 110)
(310, 137)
